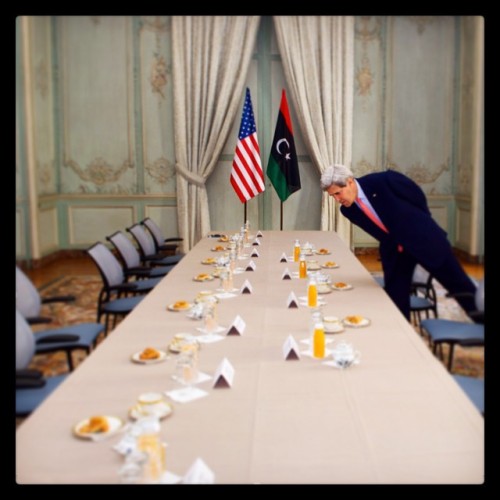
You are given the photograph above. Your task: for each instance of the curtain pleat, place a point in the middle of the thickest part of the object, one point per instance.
(318, 61)
(210, 60)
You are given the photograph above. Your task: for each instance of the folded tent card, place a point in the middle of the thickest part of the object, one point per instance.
(283, 257)
(237, 326)
(256, 242)
(286, 274)
(291, 349)
(246, 287)
(259, 234)
(254, 253)
(292, 301)
(224, 374)
(251, 266)
(199, 473)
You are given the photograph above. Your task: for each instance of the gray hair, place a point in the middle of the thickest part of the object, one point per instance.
(335, 174)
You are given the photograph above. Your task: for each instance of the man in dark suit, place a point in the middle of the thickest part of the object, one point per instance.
(393, 209)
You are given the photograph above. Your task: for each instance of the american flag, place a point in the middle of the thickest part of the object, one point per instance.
(247, 176)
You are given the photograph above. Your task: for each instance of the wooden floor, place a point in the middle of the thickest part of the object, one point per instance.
(85, 266)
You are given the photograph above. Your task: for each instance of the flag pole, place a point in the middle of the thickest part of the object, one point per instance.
(281, 216)
(245, 214)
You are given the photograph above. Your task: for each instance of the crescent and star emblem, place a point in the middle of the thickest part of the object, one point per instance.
(287, 155)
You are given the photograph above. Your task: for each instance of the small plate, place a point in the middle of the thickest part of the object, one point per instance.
(172, 307)
(210, 261)
(332, 324)
(115, 424)
(313, 266)
(203, 277)
(323, 251)
(136, 358)
(363, 322)
(218, 248)
(324, 289)
(167, 410)
(223, 239)
(330, 265)
(338, 286)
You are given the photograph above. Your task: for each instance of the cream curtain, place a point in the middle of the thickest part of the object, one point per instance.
(318, 61)
(210, 58)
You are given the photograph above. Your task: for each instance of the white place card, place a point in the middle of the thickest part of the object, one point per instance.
(255, 253)
(286, 274)
(247, 287)
(291, 349)
(292, 301)
(199, 473)
(259, 234)
(186, 394)
(169, 477)
(256, 242)
(224, 374)
(251, 266)
(237, 326)
(283, 257)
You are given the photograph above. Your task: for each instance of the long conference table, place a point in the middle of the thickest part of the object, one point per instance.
(398, 417)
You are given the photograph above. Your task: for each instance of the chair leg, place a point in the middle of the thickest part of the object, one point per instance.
(450, 357)
(70, 360)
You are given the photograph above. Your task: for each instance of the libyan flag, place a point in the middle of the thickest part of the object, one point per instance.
(283, 168)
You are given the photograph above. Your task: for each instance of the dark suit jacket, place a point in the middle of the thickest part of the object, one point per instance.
(402, 207)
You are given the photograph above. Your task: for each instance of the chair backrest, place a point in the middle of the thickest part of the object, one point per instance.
(144, 240)
(28, 300)
(126, 249)
(420, 275)
(25, 342)
(108, 265)
(480, 296)
(155, 230)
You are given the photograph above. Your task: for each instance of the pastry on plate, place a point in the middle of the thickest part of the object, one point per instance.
(355, 319)
(95, 425)
(149, 353)
(181, 305)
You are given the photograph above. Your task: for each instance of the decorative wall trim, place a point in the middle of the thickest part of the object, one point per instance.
(99, 171)
(161, 170)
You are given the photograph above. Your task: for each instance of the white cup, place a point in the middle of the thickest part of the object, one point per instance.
(344, 355)
(150, 403)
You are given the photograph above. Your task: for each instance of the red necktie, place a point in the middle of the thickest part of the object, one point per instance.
(374, 219)
(371, 215)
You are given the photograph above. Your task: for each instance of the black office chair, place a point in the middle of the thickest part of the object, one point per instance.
(465, 334)
(29, 301)
(114, 298)
(423, 298)
(171, 245)
(147, 248)
(131, 258)
(31, 386)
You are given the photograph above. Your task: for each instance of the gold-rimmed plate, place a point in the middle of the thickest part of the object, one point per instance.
(341, 286)
(180, 305)
(356, 321)
(203, 277)
(165, 410)
(136, 358)
(329, 265)
(209, 261)
(114, 423)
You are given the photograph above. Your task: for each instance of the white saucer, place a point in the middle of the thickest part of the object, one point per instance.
(165, 411)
